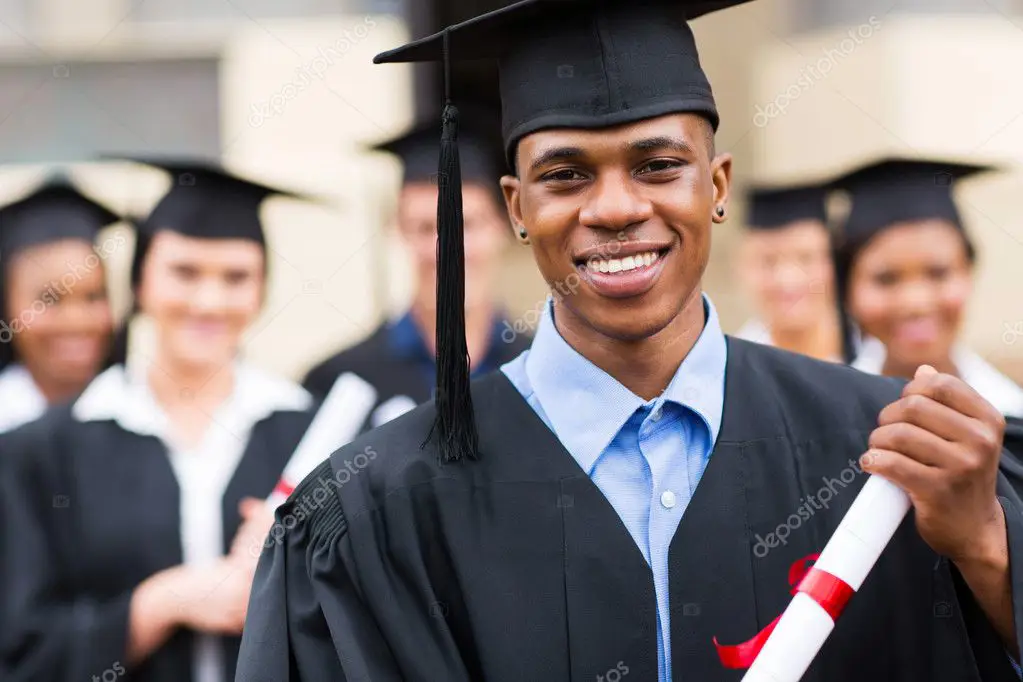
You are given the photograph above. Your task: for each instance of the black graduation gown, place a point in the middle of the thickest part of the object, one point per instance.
(88, 511)
(392, 374)
(516, 567)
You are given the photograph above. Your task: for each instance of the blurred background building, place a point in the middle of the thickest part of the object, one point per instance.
(285, 90)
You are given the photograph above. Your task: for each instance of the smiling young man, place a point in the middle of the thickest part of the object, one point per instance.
(596, 511)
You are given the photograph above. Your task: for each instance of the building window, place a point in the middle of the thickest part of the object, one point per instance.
(75, 110)
(204, 10)
(830, 13)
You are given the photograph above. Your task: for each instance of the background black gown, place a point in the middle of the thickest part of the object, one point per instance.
(88, 511)
(395, 373)
(516, 567)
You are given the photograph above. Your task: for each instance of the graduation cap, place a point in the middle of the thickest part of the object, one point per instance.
(561, 64)
(419, 150)
(207, 201)
(771, 208)
(897, 190)
(54, 211)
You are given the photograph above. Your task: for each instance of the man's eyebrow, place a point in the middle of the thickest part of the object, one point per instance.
(650, 144)
(556, 154)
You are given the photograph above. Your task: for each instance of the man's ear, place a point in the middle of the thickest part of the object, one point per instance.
(510, 186)
(721, 176)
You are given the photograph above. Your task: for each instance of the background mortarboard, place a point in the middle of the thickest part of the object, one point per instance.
(561, 64)
(895, 190)
(478, 149)
(775, 207)
(207, 201)
(54, 211)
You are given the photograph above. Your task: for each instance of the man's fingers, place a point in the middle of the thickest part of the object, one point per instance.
(916, 443)
(932, 416)
(908, 474)
(949, 391)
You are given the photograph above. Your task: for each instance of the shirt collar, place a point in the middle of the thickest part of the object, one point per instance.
(21, 399)
(587, 407)
(122, 395)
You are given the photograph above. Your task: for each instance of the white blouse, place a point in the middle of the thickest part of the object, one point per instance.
(203, 472)
(756, 331)
(994, 386)
(21, 401)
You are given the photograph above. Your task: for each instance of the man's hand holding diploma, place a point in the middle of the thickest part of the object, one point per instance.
(941, 443)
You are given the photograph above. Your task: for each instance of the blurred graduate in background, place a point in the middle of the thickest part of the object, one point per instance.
(786, 269)
(118, 510)
(905, 265)
(55, 321)
(398, 359)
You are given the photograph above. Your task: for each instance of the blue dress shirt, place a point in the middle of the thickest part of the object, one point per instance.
(406, 341)
(646, 457)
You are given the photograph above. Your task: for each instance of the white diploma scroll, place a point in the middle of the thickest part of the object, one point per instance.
(336, 423)
(850, 554)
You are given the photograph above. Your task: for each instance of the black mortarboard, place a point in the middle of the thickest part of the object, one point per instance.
(207, 201)
(419, 150)
(897, 190)
(775, 207)
(561, 64)
(54, 211)
(582, 63)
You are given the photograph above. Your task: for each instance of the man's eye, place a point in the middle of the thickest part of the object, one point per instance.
(563, 175)
(658, 165)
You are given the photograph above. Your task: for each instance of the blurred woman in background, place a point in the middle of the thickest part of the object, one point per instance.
(786, 269)
(55, 321)
(905, 266)
(118, 511)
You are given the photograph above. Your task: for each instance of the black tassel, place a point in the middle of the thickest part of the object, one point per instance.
(455, 423)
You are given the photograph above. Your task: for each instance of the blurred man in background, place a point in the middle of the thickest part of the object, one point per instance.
(398, 359)
(786, 269)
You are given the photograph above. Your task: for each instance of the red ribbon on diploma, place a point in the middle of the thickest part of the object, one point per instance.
(284, 488)
(830, 592)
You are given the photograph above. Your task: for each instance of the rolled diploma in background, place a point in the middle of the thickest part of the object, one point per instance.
(336, 423)
(850, 554)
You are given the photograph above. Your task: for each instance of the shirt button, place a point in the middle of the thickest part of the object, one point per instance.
(656, 414)
(667, 499)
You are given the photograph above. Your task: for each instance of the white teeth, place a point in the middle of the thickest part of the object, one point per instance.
(626, 264)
